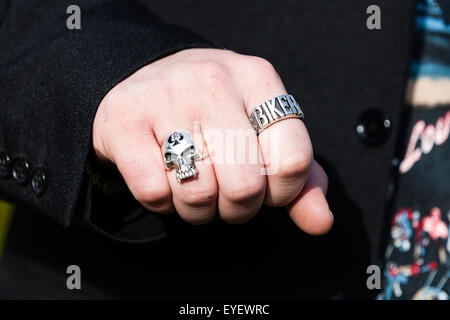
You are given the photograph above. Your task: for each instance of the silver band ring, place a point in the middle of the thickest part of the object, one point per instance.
(274, 110)
(181, 153)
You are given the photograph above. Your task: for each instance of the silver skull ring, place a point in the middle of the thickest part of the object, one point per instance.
(180, 152)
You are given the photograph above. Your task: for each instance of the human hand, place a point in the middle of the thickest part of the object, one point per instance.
(209, 93)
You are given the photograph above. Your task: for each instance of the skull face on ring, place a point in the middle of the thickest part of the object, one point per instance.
(180, 152)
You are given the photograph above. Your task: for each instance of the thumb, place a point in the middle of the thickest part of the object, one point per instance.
(310, 211)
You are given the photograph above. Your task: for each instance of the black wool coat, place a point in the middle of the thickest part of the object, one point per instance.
(52, 80)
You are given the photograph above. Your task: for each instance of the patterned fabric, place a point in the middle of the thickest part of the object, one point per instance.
(417, 257)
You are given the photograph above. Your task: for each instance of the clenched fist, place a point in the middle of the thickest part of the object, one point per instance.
(210, 93)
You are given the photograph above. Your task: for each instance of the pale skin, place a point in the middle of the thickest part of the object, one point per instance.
(216, 89)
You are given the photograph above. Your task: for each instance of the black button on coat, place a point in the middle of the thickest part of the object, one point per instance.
(21, 171)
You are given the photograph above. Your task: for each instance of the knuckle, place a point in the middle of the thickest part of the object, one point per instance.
(212, 73)
(246, 190)
(198, 217)
(262, 67)
(239, 218)
(200, 196)
(296, 165)
(152, 194)
(240, 214)
(130, 166)
(116, 99)
(131, 124)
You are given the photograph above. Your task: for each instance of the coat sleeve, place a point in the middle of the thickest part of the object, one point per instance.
(52, 80)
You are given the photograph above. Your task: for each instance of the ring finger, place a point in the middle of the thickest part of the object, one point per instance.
(194, 197)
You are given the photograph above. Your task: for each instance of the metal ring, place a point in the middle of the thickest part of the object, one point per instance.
(273, 110)
(181, 153)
